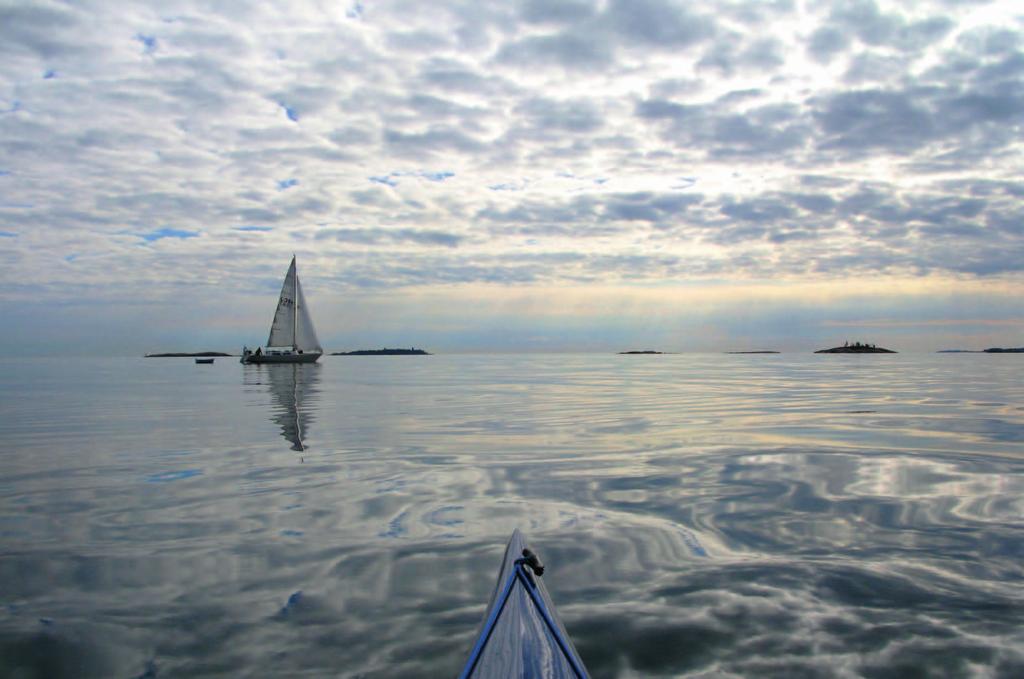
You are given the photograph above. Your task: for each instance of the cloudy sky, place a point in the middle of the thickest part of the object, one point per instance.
(540, 175)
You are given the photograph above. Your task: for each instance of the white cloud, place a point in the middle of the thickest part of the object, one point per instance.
(185, 117)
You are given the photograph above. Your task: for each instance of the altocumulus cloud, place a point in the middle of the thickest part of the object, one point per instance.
(509, 143)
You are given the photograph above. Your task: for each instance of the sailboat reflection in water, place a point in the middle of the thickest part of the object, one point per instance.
(294, 392)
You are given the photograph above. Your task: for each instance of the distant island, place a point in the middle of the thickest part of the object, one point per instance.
(178, 354)
(855, 348)
(751, 352)
(997, 350)
(645, 351)
(383, 352)
(992, 350)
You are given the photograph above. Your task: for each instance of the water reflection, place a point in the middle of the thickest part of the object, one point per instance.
(294, 391)
(712, 517)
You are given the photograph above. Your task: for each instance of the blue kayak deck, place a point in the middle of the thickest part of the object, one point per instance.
(521, 636)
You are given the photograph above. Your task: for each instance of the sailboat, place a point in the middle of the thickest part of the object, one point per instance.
(292, 337)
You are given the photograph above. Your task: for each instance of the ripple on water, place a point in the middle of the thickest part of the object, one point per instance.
(703, 516)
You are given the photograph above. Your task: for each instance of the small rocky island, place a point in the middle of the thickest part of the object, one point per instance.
(999, 350)
(179, 354)
(383, 352)
(855, 348)
(751, 352)
(645, 351)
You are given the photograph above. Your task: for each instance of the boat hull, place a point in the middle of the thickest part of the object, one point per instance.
(262, 359)
(522, 636)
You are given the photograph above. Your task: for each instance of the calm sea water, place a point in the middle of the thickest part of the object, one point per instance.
(700, 515)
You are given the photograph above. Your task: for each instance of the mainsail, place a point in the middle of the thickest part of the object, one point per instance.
(305, 335)
(292, 325)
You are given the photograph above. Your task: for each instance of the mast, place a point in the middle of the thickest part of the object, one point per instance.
(295, 306)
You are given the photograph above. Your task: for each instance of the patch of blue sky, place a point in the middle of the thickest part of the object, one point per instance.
(4, 173)
(13, 108)
(390, 179)
(49, 74)
(284, 184)
(148, 42)
(355, 10)
(254, 228)
(166, 232)
(503, 187)
(8, 234)
(292, 114)
(71, 258)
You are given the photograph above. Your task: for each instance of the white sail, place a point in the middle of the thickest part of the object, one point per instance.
(305, 335)
(292, 337)
(282, 329)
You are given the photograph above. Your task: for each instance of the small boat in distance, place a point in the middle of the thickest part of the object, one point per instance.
(292, 337)
(204, 361)
(521, 636)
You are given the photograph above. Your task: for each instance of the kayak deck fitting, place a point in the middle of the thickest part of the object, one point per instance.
(521, 636)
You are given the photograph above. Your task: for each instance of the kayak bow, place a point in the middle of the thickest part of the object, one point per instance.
(521, 636)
